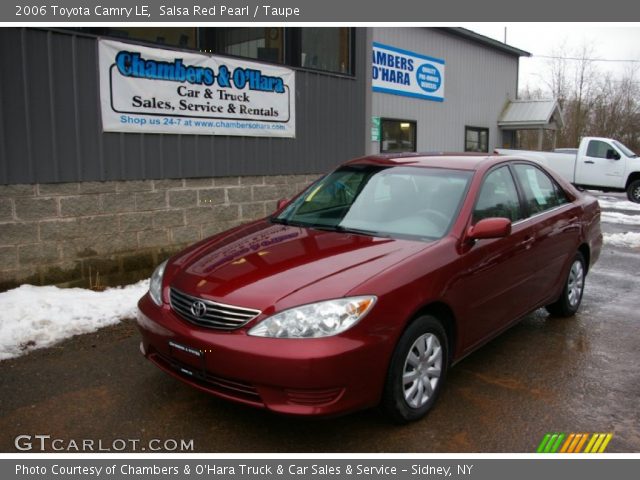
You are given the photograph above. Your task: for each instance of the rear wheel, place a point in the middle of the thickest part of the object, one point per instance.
(633, 191)
(569, 301)
(417, 370)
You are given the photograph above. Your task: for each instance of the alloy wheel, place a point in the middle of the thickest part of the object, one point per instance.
(422, 369)
(575, 283)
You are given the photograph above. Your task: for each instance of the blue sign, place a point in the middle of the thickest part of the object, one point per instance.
(410, 74)
(428, 77)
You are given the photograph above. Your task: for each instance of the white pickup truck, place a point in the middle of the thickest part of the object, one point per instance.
(599, 164)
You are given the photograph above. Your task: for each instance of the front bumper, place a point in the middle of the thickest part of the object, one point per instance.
(323, 376)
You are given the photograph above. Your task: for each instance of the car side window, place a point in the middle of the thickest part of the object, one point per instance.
(561, 194)
(498, 197)
(540, 191)
(598, 149)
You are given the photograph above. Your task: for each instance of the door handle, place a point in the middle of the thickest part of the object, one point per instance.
(589, 161)
(527, 242)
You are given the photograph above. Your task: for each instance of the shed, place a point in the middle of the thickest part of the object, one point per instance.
(537, 115)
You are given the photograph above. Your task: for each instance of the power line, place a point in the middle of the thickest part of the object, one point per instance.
(587, 59)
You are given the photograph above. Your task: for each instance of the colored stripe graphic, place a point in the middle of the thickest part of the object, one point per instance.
(573, 442)
(606, 441)
(543, 443)
(598, 443)
(567, 443)
(556, 445)
(583, 439)
(592, 441)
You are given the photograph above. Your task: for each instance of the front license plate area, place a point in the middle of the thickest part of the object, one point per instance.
(189, 360)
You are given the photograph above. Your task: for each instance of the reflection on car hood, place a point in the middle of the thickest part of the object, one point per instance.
(258, 265)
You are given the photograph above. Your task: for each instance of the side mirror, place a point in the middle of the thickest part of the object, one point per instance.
(612, 154)
(282, 203)
(494, 227)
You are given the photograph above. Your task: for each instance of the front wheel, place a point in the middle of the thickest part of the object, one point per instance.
(633, 191)
(569, 302)
(417, 370)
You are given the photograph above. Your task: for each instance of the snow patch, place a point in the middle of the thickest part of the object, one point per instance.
(36, 317)
(627, 239)
(620, 218)
(619, 205)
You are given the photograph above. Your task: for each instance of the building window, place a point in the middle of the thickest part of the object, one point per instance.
(326, 49)
(329, 49)
(265, 44)
(476, 139)
(397, 136)
(182, 37)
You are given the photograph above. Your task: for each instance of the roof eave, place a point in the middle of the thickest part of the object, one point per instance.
(523, 125)
(489, 42)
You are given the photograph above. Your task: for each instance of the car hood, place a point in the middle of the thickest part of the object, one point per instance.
(269, 266)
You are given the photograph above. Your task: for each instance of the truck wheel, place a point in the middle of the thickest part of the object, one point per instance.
(569, 302)
(633, 191)
(417, 370)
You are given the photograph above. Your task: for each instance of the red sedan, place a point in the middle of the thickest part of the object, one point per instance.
(366, 287)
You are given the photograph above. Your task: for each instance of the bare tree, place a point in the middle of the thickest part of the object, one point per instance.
(615, 111)
(594, 101)
(584, 84)
(556, 78)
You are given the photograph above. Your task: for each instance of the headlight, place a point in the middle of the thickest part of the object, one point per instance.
(155, 285)
(321, 319)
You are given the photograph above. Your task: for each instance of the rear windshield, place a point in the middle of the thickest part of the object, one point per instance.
(412, 202)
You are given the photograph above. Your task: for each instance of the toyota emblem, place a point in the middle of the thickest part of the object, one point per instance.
(198, 309)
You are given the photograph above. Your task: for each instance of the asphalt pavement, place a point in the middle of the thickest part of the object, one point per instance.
(543, 375)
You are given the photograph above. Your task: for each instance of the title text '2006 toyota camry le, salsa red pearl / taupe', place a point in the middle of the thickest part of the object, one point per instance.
(367, 286)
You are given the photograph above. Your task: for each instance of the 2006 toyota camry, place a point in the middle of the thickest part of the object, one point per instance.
(365, 288)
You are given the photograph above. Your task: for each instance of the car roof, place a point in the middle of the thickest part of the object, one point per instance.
(456, 161)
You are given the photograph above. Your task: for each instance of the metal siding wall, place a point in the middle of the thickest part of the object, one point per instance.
(50, 127)
(478, 82)
(14, 119)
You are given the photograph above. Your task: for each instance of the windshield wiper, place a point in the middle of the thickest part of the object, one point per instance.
(284, 221)
(330, 228)
(341, 229)
(360, 231)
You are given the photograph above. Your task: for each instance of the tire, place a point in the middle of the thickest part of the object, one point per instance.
(422, 352)
(569, 302)
(633, 191)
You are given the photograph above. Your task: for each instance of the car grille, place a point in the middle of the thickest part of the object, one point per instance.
(216, 315)
(313, 398)
(213, 384)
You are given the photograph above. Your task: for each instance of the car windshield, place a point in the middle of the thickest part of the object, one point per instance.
(624, 149)
(396, 202)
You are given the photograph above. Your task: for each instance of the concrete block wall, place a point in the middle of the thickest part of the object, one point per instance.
(67, 233)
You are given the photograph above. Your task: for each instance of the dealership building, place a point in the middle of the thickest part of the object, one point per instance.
(120, 146)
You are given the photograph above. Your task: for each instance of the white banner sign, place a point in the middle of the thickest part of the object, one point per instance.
(401, 72)
(150, 90)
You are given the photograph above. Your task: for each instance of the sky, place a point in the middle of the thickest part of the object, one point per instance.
(609, 41)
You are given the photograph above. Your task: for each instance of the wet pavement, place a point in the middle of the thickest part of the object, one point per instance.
(543, 375)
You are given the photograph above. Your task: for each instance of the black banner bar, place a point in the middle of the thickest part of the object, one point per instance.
(292, 11)
(595, 468)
